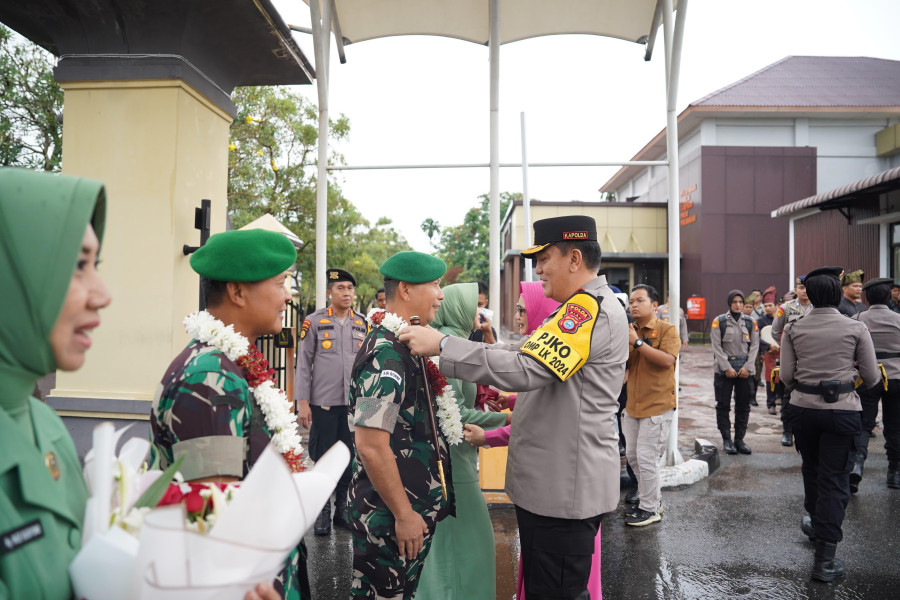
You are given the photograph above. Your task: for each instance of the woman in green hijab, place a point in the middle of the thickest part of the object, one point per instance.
(461, 565)
(50, 232)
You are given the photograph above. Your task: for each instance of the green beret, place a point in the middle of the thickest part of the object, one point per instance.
(413, 267)
(244, 255)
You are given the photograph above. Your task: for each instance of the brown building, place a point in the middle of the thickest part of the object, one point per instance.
(795, 130)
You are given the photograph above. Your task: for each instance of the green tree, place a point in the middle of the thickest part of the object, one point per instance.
(272, 169)
(467, 246)
(30, 100)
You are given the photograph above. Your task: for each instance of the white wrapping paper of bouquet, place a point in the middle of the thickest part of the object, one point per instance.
(252, 537)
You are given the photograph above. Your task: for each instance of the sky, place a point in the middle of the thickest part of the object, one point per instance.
(425, 100)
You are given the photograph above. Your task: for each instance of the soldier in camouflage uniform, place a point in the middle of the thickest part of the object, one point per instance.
(395, 495)
(203, 408)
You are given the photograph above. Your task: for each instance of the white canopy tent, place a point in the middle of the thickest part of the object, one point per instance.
(492, 22)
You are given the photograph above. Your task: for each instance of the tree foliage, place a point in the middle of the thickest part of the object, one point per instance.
(467, 246)
(30, 100)
(272, 169)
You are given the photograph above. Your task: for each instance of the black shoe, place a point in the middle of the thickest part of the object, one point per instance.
(856, 475)
(807, 528)
(323, 521)
(754, 403)
(642, 517)
(872, 433)
(341, 517)
(742, 447)
(893, 476)
(772, 410)
(632, 497)
(728, 447)
(787, 439)
(827, 568)
(630, 510)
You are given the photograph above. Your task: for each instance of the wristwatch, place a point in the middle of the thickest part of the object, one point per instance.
(443, 341)
(638, 344)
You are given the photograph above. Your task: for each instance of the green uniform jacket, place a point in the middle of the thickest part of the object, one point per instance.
(40, 518)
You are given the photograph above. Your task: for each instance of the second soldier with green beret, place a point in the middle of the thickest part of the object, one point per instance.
(852, 287)
(329, 340)
(396, 499)
(204, 409)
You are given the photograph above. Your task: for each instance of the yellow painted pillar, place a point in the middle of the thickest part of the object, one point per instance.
(160, 147)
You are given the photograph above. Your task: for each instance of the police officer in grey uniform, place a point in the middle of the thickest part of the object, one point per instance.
(735, 342)
(822, 356)
(329, 340)
(569, 373)
(884, 327)
(663, 313)
(789, 312)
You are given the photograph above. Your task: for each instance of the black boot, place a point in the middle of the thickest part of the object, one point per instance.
(741, 447)
(807, 528)
(323, 522)
(787, 439)
(728, 446)
(827, 568)
(856, 474)
(341, 514)
(893, 476)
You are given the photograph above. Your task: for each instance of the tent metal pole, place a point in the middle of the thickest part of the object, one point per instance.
(494, 197)
(321, 35)
(673, 42)
(526, 201)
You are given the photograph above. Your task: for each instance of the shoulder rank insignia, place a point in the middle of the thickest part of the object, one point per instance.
(563, 344)
(304, 329)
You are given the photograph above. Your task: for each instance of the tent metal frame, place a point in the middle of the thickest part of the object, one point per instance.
(325, 21)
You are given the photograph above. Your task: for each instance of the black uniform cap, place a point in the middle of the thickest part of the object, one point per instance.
(335, 275)
(572, 228)
(835, 272)
(878, 281)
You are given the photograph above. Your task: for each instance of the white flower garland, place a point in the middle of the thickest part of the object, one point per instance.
(273, 402)
(447, 413)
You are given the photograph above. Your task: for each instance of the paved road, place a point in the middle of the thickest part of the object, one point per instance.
(733, 535)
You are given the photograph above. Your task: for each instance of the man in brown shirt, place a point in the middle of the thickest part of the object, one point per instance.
(651, 399)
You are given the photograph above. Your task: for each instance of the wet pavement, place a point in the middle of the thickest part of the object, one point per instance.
(735, 534)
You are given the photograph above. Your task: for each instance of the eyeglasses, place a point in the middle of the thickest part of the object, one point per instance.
(520, 310)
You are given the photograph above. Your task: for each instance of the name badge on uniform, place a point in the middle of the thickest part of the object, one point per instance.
(20, 536)
(563, 344)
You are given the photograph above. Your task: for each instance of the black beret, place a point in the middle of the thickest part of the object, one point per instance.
(244, 255)
(836, 272)
(572, 228)
(879, 281)
(335, 275)
(413, 267)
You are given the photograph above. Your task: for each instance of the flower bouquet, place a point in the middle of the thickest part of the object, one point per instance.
(147, 536)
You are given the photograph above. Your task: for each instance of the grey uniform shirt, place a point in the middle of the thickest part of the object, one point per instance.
(563, 452)
(740, 339)
(325, 358)
(663, 313)
(884, 327)
(788, 313)
(823, 346)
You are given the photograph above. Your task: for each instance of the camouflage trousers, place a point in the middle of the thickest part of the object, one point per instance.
(380, 573)
(292, 583)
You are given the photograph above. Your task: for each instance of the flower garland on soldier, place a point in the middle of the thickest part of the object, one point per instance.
(273, 402)
(448, 415)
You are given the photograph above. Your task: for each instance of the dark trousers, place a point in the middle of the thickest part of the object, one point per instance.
(723, 388)
(890, 415)
(826, 442)
(556, 555)
(623, 399)
(772, 396)
(785, 403)
(329, 426)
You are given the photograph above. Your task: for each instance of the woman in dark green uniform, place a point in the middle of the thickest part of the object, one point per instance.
(50, 232)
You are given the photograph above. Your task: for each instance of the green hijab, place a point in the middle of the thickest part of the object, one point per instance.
(42, 221)
(458, 309)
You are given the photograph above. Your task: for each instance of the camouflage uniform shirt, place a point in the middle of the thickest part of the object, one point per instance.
(203, 409)
(387, 392)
